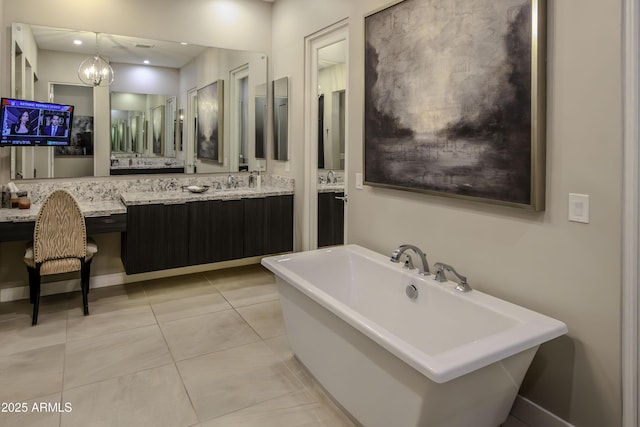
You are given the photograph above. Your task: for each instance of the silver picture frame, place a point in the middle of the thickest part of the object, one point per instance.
(455, 100)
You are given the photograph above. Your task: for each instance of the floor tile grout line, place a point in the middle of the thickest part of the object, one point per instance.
(116, 377)
(119, 331)
(301, 384)
(237, 410)
(200, 420)
(64, 362)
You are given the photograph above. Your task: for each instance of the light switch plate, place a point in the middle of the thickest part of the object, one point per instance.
(359, 184)
(579, 208)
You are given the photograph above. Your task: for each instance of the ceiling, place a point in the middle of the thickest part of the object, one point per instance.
(332, 54)
(122, 49)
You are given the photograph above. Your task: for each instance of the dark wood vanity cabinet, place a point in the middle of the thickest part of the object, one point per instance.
(330, 219)
(155, 238)
(168, 236)
(268, 225)
(215, 230)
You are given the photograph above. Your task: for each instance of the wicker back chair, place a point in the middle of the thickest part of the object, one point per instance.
(59, 246)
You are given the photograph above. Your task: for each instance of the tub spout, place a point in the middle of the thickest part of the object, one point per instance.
(463, 286)
(424, 265)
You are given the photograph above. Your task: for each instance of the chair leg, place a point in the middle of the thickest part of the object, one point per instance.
(34, 287)
(32, 281)
(85, 273)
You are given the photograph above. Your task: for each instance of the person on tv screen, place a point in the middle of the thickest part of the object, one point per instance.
(55, 128)
(23, 127)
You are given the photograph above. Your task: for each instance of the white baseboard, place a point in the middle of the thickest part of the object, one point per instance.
(534, 415)
(21, 290)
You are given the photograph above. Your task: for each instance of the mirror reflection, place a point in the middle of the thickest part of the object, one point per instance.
(143, 131)
(149, 103)
(331, 106)
(281, 119)
(261, 121)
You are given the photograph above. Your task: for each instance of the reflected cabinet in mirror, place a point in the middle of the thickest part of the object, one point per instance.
(281, 119)
(142, 119)
(331, 105)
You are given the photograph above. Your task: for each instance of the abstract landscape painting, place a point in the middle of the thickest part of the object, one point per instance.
(210, 122)
(452, 100)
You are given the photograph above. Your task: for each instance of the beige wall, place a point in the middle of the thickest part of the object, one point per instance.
(567, 270)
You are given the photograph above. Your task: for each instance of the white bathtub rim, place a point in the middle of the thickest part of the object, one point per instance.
(446, 365)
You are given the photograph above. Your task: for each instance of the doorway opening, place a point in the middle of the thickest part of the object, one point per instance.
(326, 131)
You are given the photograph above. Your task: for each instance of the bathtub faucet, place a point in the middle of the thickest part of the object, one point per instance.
(463, 286)
(424, 265)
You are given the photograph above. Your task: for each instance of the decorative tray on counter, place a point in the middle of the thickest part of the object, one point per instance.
(196, 188)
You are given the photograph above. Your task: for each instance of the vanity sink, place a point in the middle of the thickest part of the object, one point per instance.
(196, 188)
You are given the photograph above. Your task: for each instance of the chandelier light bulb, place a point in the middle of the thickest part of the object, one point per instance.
(95, 70)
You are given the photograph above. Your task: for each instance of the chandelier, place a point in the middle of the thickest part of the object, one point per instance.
(95, 70)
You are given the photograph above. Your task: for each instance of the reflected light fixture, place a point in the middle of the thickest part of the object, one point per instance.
(95, 70)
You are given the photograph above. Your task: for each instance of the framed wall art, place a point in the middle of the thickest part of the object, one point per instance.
(157, 123)
(81, 138)
(455, 99)
(210, 116)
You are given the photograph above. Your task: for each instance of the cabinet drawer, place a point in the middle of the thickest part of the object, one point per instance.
(106, 224)
(13, 231)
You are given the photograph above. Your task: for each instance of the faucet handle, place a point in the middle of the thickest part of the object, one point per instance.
(440, 276)
(462, 286)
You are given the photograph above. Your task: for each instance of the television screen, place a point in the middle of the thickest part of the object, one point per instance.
(35, 123)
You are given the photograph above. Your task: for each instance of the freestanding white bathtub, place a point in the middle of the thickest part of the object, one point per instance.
(446, 358)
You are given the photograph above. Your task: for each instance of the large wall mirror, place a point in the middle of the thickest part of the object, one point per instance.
(261, 121)
(150, 117)
(281, 119)
(331, 105)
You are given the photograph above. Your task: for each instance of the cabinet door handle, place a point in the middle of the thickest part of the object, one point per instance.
(343, 198)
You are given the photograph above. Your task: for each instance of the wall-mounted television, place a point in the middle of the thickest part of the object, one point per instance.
(32, 123)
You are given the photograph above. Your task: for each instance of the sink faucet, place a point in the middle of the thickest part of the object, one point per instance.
(231, 181)
(331, 177)
(424, 265)
(463, 286)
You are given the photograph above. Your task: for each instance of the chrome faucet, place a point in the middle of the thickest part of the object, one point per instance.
(231, 181)
(331, 177)
(463, 286)
(424, 265)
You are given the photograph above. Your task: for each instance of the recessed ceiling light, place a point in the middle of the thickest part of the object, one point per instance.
(77, 42)
(146, 61)
(184, 43)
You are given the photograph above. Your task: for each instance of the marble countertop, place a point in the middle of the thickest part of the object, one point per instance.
(98, 200)
(177, 197)
(333, 187)
(89, 209)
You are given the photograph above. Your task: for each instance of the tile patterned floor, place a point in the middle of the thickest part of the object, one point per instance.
(206, 349)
